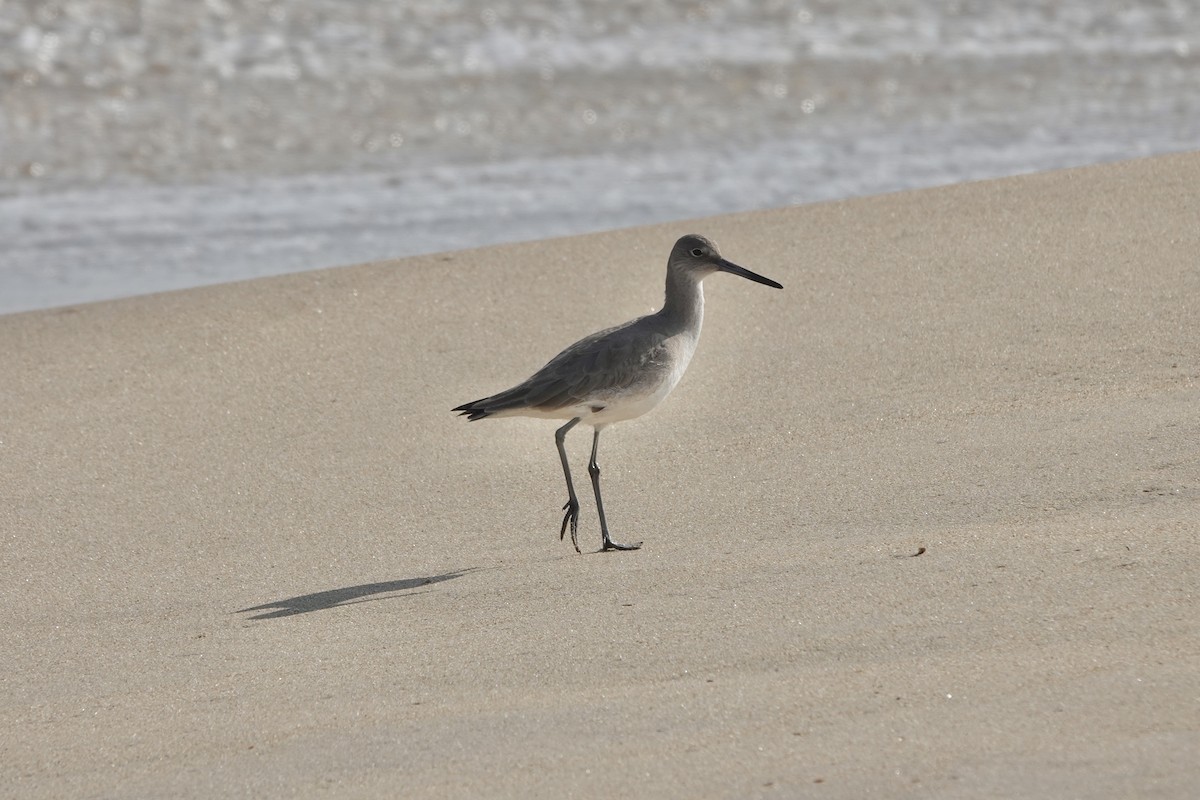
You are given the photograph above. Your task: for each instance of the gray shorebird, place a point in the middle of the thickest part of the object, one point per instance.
(619, 373)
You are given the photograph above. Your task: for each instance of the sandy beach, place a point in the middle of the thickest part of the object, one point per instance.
(249, 552)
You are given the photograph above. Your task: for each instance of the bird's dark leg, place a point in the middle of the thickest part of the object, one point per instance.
(594, 471)
(572, 504)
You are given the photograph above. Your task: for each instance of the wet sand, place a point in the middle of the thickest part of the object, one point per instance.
(248, 550)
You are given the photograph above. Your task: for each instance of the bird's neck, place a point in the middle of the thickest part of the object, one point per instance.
(684, 305)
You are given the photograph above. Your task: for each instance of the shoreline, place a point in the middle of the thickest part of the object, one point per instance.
(251, 551)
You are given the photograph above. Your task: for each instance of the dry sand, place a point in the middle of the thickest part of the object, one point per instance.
(248, 550)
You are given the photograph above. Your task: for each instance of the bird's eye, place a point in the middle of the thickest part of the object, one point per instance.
(697, 252)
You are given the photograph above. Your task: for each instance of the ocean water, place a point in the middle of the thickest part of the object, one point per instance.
(157, 145)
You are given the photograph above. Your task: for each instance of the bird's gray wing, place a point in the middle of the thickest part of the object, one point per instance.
(607, 363)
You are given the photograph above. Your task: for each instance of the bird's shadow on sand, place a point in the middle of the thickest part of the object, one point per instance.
(333, 598)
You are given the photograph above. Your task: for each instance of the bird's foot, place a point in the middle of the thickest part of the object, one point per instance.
(571, 517)
(609, 544)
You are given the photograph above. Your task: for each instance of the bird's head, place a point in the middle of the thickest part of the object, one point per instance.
(697, 256)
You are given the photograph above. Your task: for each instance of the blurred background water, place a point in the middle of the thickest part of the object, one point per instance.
(158, 144)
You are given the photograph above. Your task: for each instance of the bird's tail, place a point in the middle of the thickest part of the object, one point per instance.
(476, 409)
(517, 397)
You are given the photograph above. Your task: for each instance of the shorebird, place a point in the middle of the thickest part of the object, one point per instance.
(618, 373)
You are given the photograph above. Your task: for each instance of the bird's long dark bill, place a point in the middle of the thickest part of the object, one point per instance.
(729, 266)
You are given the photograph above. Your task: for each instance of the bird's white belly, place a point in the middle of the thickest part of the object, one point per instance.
(622, 406)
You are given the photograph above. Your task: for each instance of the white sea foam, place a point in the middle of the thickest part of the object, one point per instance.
(167, 145)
